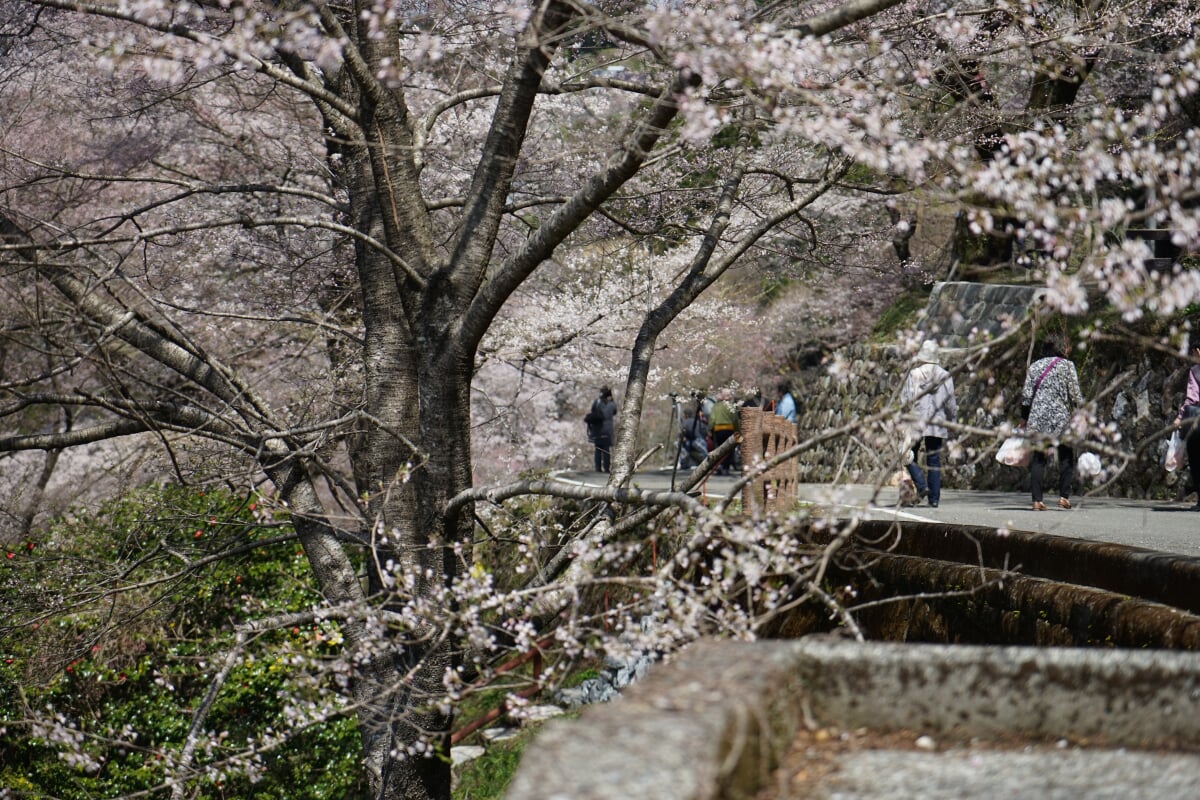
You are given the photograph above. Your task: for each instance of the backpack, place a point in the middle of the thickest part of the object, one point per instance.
(594, 420)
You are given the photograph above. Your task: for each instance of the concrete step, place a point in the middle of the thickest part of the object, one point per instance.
(715, 721)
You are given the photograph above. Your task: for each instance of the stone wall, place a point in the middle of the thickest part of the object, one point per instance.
(1133, 392)
(957, 309)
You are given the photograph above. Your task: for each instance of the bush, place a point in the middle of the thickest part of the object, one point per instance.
(116, 625)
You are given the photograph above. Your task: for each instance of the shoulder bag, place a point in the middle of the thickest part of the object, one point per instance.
(1042, 377)
(1025, 407)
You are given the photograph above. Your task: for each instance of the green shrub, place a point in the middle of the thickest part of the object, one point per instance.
(117, 623)
(117, 620)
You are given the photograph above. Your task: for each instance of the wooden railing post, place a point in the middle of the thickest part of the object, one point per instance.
(764, 436)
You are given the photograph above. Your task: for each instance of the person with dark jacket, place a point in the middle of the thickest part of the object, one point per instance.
(600, 428)
(693, 437)
(1188, 419)
(1051, 395)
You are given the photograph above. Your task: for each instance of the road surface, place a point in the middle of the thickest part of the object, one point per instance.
(1168, 527)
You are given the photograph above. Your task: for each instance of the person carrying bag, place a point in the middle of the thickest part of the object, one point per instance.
(928, 394)
(1050, 397)
(1186, 422)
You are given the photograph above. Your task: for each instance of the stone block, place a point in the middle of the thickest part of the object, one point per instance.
(711, 724)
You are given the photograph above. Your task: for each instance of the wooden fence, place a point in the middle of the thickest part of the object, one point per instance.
(764, 436)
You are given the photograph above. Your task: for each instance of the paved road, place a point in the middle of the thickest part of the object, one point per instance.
(1151, 524)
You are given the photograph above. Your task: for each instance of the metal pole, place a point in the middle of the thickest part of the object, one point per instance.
(673, 429)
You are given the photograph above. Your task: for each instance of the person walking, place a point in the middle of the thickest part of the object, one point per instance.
(928, 394)
(723, 422)
(785, 404)
(600, 428)
(1188, 419)
(1051, 395)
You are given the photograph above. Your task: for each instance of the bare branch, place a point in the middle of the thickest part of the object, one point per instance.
(568, 217)
(844, 15)
(623, 496)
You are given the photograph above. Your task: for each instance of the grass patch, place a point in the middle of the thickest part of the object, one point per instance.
(902, 313)
(487, 777)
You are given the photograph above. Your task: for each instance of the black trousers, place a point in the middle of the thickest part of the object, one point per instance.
(603, 453)
(1066, 471)
(1193, 454)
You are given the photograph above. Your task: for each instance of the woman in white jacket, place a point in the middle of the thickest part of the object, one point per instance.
(928, 394)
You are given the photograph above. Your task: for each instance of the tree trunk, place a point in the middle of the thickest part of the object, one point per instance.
(412, 455)
(418, 541)
(414, 543)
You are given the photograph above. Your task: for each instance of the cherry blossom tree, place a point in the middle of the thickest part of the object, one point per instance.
(296, 232)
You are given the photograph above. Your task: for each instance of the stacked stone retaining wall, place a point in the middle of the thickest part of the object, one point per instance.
(959, 311)
(1134, 393)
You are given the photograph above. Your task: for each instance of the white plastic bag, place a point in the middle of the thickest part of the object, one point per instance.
(1015, 452)
(909, 442)
(1088, 465)
(1176, 453)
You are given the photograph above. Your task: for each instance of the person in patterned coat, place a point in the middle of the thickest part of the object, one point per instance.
(1050, 397)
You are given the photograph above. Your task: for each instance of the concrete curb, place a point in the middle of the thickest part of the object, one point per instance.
(714, 721)
(1160, 577)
